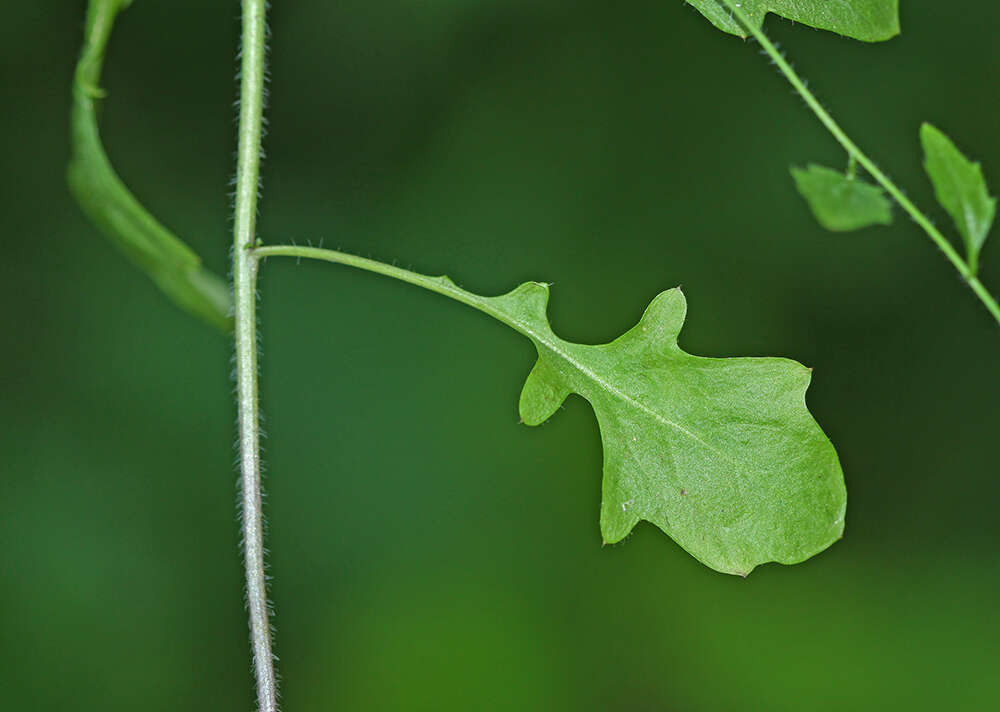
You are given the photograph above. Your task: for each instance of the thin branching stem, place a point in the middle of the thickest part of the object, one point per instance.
(857, 154)
(245, 294)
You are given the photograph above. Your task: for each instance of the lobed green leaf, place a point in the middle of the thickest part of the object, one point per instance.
(720, 453)
(867, 20)
(960, 189)
(841, 203)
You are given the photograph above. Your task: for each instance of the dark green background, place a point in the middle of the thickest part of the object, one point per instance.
(429, 553)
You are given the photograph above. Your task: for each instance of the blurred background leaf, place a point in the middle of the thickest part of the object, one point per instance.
(842, 202)
(960, 189)
(110, 205)
(430, 561)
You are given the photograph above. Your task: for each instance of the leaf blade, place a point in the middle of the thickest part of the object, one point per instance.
(840, 203)
(720, 454)
(865, 20)
(961, 190)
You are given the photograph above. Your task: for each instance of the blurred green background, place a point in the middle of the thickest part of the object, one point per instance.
(429, 553)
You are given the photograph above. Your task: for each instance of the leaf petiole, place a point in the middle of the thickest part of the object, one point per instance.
(441, 285)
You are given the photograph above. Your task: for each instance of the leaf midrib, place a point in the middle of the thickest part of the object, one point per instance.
(483, 303)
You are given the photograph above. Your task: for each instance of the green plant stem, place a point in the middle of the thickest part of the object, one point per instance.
(434, 284)
(245, 296)
(440, 285)
(856, 153)
(108, 202)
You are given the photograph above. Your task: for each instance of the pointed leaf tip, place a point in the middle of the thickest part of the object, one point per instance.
(664, 317)
(528, 303)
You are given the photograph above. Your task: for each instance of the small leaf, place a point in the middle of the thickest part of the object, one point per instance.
(841, 203)
(960, 188)
(720, 453)
(867, 20)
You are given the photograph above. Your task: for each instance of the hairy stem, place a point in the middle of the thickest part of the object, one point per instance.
(245, 295)
(857, 154)
(440, 285)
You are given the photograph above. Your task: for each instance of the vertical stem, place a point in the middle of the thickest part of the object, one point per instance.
(245, 295)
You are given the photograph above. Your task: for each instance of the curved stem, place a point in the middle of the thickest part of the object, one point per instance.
(857, 154)
(441, 285)
(245, 295)
(106, 200)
